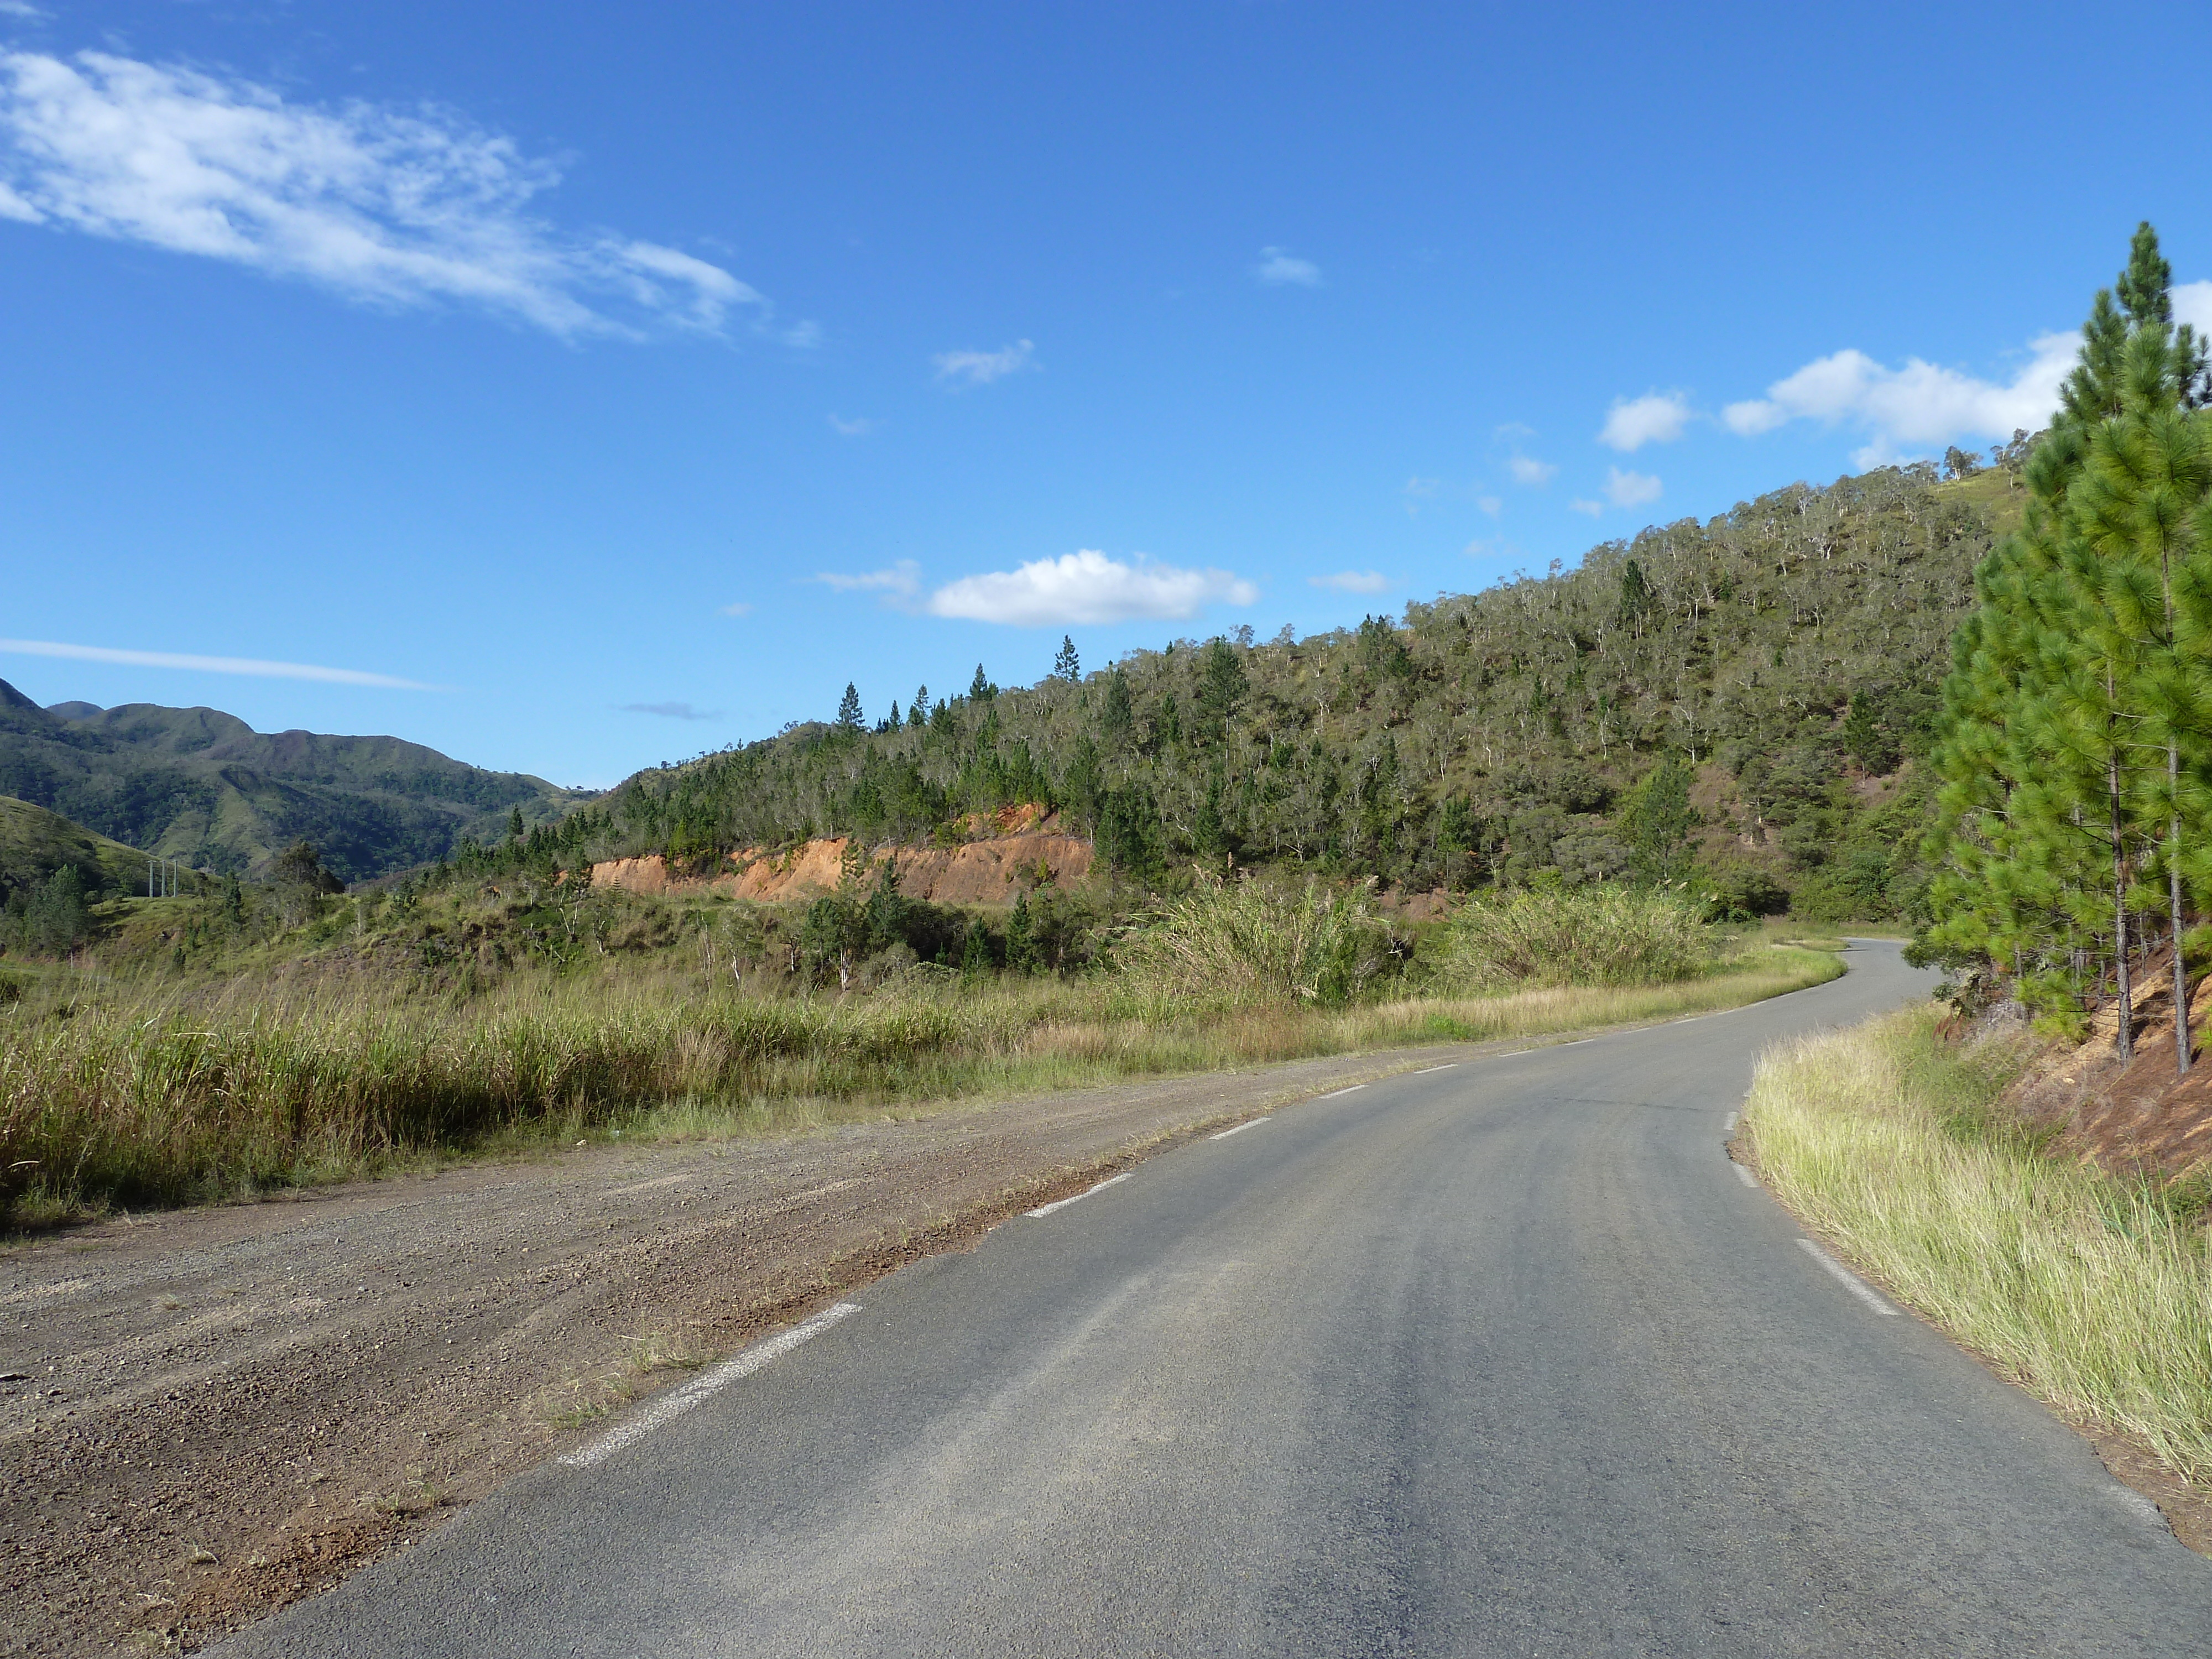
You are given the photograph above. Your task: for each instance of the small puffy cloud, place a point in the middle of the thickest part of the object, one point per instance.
(1658, 417)
(673, 711)
(1278, 267)
(1353, 581)
(1593, 508)
(251, 666)
(853, 429)
(900, 581)
(1087, 588)
(982, 367)
(1527, 470)
(387, 206)
(2192, 304)
(738, 608)
(1630, 489)
(1920, 404)
(1490, 504)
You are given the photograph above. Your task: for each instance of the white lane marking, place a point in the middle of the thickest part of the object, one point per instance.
(1226, 1133)
(673, 1404)
(1730, 1127)
(2137, 1503)
(1744, 1175)
(1448, 1066)
(1844, 1277)
(1063, 1203)
(1333, 1093)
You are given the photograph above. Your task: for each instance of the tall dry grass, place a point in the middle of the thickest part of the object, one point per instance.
(122, 1095)
(2094, 1292)
(1578, 936)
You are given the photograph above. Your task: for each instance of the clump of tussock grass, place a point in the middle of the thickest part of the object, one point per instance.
(1600, 935)
(1257, 939)
(2095, 1291)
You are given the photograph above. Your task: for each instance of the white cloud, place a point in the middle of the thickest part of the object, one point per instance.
(1353, 581)
(853, 429)
(674, 711)
(740, 608)
(902, 580)
(1277, 266)
(1087, 588)
(1490, 504)
(2192, 304)
(385, 206)
(1630, 489)
(278, 670)
(1919, 404)
(982, 367)
(22, 9)
(1593, 508)
(1529, 471)
(1658, 417)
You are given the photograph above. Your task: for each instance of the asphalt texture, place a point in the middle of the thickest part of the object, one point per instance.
(1502, 1359)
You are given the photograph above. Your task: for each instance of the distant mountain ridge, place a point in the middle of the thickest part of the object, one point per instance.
(204, 787)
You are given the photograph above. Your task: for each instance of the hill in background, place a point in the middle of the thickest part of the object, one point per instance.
(35, 844)
(204, 788)
(1742, 698)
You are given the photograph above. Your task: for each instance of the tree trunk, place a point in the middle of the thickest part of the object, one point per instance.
(2127, 1035)
(2173, 899)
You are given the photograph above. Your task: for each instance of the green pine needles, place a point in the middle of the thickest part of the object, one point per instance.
(2074, 748)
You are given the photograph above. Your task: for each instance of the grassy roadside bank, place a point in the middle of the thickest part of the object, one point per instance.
(137, 1097)
(2093, 1292)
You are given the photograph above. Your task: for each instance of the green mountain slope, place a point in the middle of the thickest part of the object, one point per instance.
(34, 844)
(201, 786)
(1783, 656)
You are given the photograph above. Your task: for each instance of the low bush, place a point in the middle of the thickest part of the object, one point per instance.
(1603, 935)
(1257, 940)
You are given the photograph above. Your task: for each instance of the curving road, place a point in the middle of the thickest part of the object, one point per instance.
(1498, 1359)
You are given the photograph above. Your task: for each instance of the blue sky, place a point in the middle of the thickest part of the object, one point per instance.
(573, 389)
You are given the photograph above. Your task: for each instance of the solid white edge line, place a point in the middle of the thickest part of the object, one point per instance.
(1062, 1204)
(1226, 1133)
(1332, 1093)
(1744, 1175)
(1844, 1277)
(1730, 1127)
(672, 1405)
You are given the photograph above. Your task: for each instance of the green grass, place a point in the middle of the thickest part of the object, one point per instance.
(119, 1093)
(2093, 1292)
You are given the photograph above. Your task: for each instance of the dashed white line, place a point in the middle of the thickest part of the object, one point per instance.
(1333, 1093)
(1223, 1135)
(1063, 1203)
(1448, 1065)
(675, 1403)
(1744, 1175)
(1730, 1127)
(1844, 1277)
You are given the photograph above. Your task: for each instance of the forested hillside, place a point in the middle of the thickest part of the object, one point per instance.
(1739, 699)
(204, 788)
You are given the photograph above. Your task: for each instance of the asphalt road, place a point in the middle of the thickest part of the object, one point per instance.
(1498, 1359)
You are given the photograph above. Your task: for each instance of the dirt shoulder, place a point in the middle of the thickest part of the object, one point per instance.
(206, 1414)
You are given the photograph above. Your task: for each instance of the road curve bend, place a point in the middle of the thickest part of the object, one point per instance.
(1500, 1358)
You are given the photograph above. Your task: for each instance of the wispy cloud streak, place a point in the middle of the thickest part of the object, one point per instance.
(276, 670)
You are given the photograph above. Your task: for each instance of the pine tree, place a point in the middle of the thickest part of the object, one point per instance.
(980, 689)
(1021, 938)
(918, 714)
(514, 825)
(848, 709)
(1067, 666)
(1118, 718)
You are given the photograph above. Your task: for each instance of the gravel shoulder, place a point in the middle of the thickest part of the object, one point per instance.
(207, 1414)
